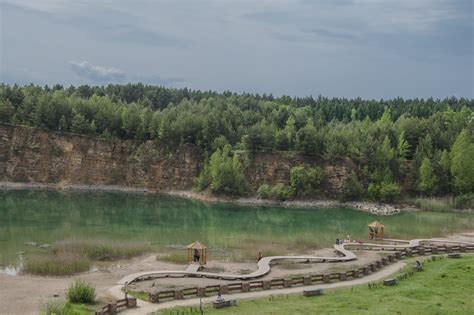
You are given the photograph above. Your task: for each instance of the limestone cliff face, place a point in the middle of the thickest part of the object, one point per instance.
(37, 156)
(274, 168)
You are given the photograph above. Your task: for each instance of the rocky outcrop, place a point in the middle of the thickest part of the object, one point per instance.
(60, 160)
(32, 155)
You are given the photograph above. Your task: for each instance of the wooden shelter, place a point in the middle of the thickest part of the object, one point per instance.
(197, 252)
(375, 230)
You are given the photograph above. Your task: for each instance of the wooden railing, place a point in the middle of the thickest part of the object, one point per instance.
(116, 306)
(278, 283)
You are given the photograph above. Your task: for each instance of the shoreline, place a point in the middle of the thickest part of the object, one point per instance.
(370, 207)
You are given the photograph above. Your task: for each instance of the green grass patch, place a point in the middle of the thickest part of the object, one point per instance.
(175, 258)
(445, 286)
(53, 307)
(142, 295)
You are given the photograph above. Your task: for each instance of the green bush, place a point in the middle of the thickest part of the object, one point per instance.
(306, 181)
(386, 191)
(263, 191)
(81, 292)
(281, 192)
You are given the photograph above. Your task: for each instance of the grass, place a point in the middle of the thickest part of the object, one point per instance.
(67, 308)
(71, 257)
(81, 292)
(56, 265)
(444, 287)
(142, 295)
(433, 204)
(175, 258)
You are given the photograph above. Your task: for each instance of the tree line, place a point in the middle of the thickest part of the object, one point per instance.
(417, 146)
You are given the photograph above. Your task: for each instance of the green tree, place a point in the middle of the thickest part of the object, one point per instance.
(6, 111)
(462, 163)
(428, 180)
(79, 124)
(403, 147)
(308, 140)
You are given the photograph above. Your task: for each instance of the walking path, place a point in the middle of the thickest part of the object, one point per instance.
(147, 308)
(264, 268)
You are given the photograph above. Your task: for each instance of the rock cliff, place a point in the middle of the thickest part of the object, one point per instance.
(31, 155)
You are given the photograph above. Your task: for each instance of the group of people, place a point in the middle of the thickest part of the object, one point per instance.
(347, 240)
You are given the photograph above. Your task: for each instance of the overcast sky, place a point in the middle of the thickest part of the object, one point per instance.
(347, 48)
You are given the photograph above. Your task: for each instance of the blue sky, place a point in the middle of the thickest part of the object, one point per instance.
(347, 48)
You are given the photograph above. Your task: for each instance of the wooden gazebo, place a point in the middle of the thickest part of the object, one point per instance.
(197, 252)
(375, 230)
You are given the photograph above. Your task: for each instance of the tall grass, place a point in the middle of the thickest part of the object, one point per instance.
(57, 265)
(434, 204)
(175, 258)
(81, 292)
(101, 250)
(74, 256)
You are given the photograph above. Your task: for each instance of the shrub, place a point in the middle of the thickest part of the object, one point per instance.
(386, 191)
(306, 182)
(81, 292)
(263, 191)
(281, 192)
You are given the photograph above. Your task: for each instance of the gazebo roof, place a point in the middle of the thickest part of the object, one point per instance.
(376, 224)
(197, 245)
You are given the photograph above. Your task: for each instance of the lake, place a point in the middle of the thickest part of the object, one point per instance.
(232, 231)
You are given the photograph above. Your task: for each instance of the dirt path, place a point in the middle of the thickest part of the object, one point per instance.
(146, 308)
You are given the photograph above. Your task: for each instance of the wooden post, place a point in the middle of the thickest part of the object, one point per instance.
(224, 289)
(201, 291)
(178, 294)
(287, 283)
(326, 278)
(267, 284)
(245, 287)
(307, 280)
(342, 276)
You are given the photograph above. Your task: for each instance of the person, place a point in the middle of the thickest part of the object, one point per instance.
(418, 266)
(337, 241)
(260, 256)
(219, 298)
(348, 238)
(197, 256)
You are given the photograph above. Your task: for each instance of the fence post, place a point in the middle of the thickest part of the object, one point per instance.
(267, 284)
(326, 278)
(201, 291)
(178, 294)
(245, 287)
(421, 250)
(153, 297)
(307, 280)
(224, 289)
(287, 283)
(342, 276)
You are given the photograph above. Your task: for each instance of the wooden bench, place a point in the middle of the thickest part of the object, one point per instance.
(454, 255)
(224, 303)
(390, 282)
(313, 292)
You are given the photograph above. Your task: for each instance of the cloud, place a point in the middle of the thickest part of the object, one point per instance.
(97, 74)
(105, 75)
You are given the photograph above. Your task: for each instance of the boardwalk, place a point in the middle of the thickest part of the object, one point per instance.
(263, 266)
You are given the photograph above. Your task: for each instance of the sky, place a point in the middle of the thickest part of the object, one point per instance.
(336, 48)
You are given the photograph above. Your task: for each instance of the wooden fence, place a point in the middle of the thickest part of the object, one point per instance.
(114, 307)
(278, 283)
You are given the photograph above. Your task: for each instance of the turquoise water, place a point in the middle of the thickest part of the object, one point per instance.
(45, 217)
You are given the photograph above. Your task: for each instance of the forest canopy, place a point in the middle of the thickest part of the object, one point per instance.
(415, 145)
